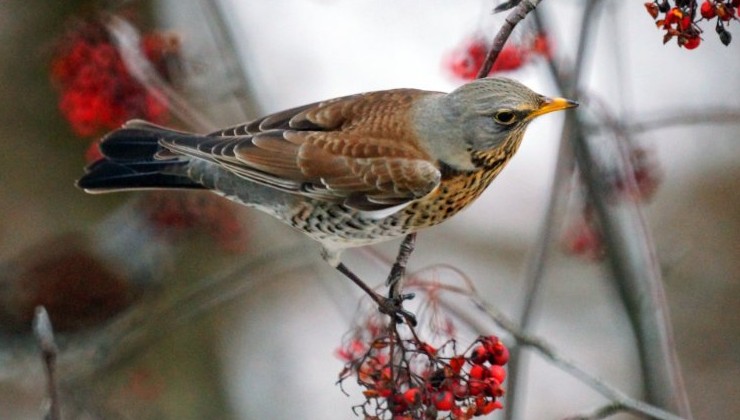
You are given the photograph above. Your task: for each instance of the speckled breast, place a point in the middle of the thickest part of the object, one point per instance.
(341, 227)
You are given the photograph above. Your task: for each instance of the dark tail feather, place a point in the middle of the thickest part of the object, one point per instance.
(129, 161)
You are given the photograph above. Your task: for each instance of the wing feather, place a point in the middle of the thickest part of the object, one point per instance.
(348, 150)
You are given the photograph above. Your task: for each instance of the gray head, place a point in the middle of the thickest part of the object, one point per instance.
(483, 115)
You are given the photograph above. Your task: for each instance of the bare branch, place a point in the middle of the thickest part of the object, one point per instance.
(44, 333)
(631, 256)
(563, 170)
(600, 413)
(512, 19)
(127, 41)
(569, 366)
(683, 117)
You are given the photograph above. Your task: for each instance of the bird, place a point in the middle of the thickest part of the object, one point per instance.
(348, 172)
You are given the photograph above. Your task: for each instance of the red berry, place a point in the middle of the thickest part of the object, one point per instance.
(479, 355)
(692, 42)
(477, 372)
(498, 373)
(456, 364)
(459, 390)
(708, 10)
(477, 386)
(673, 16)
(500, 356)
(428, 349)
(487, 408)
(493, 388)
(466, 62)
(412, 396)
(585, 240)
(397, 404)
(685, 23)
(444, 401)
(725, 12)
(541, 45)
(510, 58)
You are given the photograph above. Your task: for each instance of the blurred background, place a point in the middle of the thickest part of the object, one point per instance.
(180, 305)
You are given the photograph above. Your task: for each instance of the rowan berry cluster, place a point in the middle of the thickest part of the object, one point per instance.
(465, 61)
(681, 20)
(97, 92)
(584, 237)
(410, 379)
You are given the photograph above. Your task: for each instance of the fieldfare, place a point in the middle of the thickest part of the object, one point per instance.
(349, 171)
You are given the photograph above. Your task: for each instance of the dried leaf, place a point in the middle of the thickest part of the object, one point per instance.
(667, 37)
(652, 9)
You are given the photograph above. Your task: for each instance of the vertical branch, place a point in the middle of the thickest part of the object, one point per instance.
(631, 258)
(563, 169)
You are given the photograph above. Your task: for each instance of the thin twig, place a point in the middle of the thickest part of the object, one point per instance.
(631, 257)
(44, 333)
(228, 54)
(512, 19)
(571, 367)
(600, 413)
(632, 261)
(127, 41)
(681, 117)
(617, 397)
(153, 319)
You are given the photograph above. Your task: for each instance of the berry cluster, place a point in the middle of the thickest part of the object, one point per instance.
(465, 61)
(681, 20)
(173, 211)
(584, 237)
(410, 379)
(97, 91)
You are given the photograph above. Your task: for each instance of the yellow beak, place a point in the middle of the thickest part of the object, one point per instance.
(553, 104)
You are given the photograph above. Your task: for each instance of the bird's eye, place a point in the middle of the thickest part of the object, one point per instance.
(505, 117)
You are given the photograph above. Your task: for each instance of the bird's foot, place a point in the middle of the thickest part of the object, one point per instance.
(393, 306)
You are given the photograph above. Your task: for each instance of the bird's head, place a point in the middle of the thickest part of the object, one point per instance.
(487, 114)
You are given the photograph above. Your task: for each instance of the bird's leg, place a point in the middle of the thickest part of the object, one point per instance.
(398, 271)
(387, 306)
(390, 306)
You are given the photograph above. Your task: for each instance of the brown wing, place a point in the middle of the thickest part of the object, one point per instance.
(357, 150)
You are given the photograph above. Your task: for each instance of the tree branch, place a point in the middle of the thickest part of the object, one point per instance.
(126, 39)
(44, 333)
(563, 171)
(678, 118)
(600, 413)
(512, 19)
(569, 366)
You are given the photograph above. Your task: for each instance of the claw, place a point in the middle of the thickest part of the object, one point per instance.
(393, 306)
